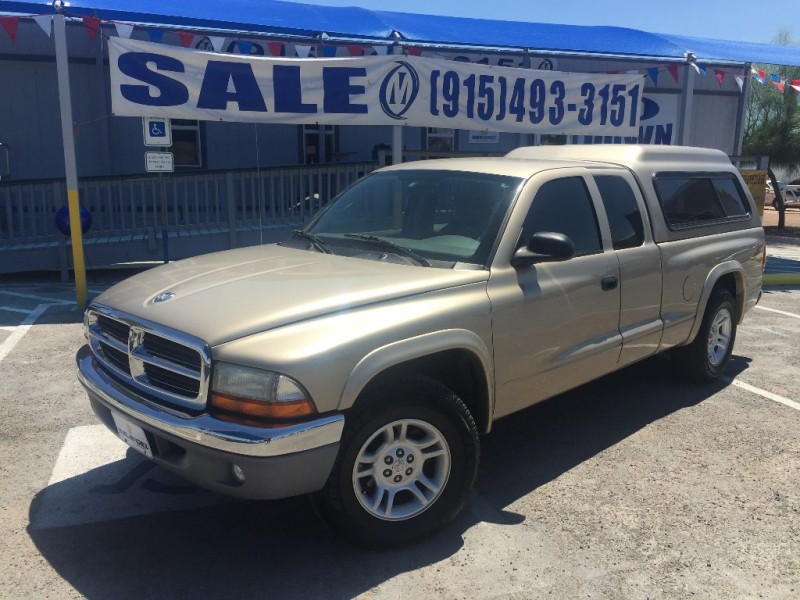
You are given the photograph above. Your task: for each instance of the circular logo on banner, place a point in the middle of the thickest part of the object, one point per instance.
(399, 90)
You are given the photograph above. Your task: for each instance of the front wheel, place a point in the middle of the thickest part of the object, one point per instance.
(408, 461)
(707, 357)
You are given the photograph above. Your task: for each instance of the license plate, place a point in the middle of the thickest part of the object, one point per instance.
(132, 434)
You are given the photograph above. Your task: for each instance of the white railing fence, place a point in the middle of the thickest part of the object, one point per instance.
(134, 208)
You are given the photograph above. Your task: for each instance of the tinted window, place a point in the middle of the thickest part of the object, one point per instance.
(730, 196)
(624, 218)
(688, 200)
(564, 206)
(440, 215)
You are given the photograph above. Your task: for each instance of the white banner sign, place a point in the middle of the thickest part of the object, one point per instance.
(153, 79)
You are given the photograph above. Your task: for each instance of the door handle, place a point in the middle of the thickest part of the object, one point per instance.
(608, 283)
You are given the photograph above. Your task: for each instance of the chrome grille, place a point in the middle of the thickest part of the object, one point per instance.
(165, 364)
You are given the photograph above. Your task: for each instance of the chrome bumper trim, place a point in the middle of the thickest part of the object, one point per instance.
(204, 429)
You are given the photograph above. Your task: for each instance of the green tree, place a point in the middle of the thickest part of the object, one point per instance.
(772, 125)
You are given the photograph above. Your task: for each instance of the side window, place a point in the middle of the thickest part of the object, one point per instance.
(689, 200)
(624, 218)
(730, 195)
(565, 206)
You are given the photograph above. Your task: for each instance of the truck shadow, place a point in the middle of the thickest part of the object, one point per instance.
(279, 549)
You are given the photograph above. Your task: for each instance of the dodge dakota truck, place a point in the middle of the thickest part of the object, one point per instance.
(360, 360)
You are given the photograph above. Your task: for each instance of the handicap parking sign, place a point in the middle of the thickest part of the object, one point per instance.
(157, 131)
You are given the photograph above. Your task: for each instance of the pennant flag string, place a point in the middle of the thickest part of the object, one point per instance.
(93, 26)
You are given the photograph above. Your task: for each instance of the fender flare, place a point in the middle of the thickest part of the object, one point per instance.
(725, 268)
(385, 357)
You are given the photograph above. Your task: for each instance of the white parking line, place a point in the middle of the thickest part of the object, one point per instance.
(762, 393)
(21, 329)
(24, 311)
(37, 297)
(780, 312)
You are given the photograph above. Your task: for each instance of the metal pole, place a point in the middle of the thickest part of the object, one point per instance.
(687, 97)
(740, 118)
(397, 144)
(65, 102)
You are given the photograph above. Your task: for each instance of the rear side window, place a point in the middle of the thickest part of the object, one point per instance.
(624, 218)
(689, 200)
(564, 206)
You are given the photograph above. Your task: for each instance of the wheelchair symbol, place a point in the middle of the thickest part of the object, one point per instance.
(157, 129)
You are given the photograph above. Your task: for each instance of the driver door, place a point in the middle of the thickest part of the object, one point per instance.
(556, 324)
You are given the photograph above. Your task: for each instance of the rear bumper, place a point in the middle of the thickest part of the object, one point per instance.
(276, 463)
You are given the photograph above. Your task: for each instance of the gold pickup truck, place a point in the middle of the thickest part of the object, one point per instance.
(360, 360)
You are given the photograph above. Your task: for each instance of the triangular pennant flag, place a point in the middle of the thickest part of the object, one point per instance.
(10, 24)
(720, 75)
(795, 85)
(673, 70)
(381, 50)
(739, 81)
(779, 84)
(701, 70)
(217, 42)
(757, 75)
(275, 48)
(302, 51)
(124, 30)
(186, 38)
(653, 75)
(414, 51)
(92, 25)
(244, 46)
(155, 34)
(45, 22)
(356, 50)
(329, 51)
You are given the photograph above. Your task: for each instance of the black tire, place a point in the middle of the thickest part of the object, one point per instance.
(425, 407)
(694, 362)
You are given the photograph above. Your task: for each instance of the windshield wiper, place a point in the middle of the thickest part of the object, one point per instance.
(389, 246)
(315, 241)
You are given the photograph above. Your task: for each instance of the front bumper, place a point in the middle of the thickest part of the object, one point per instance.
(277, 463)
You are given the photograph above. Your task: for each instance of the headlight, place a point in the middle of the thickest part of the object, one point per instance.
(257, 393)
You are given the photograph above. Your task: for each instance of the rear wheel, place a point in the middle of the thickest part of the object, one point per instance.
(408, 461)
(707, 357)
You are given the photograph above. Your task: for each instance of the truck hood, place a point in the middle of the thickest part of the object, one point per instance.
(228, 295)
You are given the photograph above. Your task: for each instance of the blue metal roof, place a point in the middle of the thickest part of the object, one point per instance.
(278, 18)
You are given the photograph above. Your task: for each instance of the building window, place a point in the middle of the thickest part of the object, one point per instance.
(439, 139)
(186, 143)
(315, 150)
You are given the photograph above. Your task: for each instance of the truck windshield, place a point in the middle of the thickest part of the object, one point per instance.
(437, 216)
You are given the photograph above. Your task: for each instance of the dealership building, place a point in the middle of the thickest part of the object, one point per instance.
(251, 177)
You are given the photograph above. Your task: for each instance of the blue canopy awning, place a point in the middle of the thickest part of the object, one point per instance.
(278, 18)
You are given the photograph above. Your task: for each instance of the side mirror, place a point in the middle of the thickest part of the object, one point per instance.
(544, 246)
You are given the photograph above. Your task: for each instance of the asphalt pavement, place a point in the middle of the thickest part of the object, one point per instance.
(635, 486)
